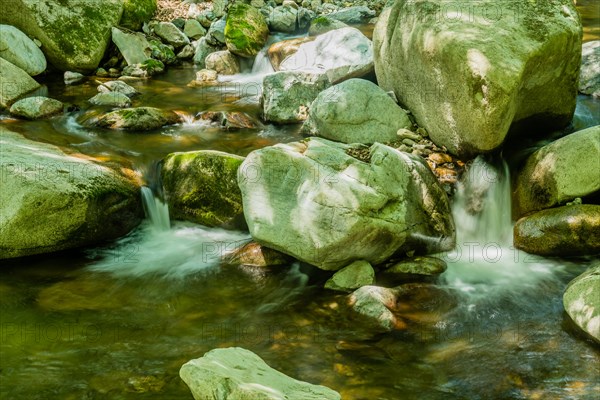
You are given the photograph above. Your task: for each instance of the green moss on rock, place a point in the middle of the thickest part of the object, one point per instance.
(201, 186)
(136, 12)
(246, 30)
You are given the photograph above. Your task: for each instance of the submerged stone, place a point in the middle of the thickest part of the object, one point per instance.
(355, 275)
(138, 119)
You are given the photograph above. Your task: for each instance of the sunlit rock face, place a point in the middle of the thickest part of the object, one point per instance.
(315, 202)
(52, 201)
(582, 301)
(471, 71)
(559, 172)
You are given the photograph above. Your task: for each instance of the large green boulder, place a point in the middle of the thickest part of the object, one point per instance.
(315, 201)
(136, 12)
(14, 83)
(562, 231)
(201, 186)
(53, 201)
(246, 30)
(582, 302)
(470, 72)
(74, 33)
(559, 172)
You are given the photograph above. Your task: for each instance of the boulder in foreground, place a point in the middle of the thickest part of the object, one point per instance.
(237, 374)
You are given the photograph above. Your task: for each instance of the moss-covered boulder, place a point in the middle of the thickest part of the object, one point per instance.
(470, 74)
(559, 172)
(358, 274)
(201, 186)
(582, 301)
(74, 33)
(563, 231)
(136, 12)
(36, 107)
(14, 83)
(246, 30)
(52, 201)
(138, 119)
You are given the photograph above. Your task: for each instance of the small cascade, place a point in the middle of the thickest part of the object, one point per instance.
(484, 262)
(262, 64)
(156, 210)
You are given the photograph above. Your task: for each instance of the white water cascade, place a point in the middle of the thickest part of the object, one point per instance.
(156, 210)
(484, 262)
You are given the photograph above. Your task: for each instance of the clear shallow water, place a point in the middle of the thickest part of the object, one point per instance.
(118, 321)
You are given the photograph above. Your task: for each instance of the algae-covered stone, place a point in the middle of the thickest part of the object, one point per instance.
(563, 231)
(559, 172)
(138, 119)
(323, 24)
(287, 95)
(36, 107)
(52, 201)
(14, 83)
(246, 30)
(136, 12)
(582, 302)
(236, 373)
(21, 51)
(113, 99)
(201, 186)
(419, 265)
(470, 74)
(358, 274)
(74, 33)
(356, 111)
(375, 307)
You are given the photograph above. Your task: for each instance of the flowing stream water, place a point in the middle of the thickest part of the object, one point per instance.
(117, 321)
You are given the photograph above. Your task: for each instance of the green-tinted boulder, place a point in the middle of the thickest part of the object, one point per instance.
(358, 274)
(14, 83)
(563, 231)
(582, 302)
(138, 119)
(469, 74)
(74, 33)
(52, 201)
(36, 107)
(559, 172)
(17, 48)
(201, 186)
(136, 12)
(246, 30)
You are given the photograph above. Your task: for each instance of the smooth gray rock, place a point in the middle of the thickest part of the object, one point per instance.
(117, 87)
(216, 33)
(193, 29)
(315, 202)
(171, 34)
(238, 374)
(589, 76)
(52, 201)
(202, 50)
(14, 83)
(341, 54)
(582, 302)
(559, 172)
(113, 99)
(73, 78)
(356, 111)
(287, 95)
(223, 62)
(134, 47)
(36, 107)
(358, 274)
(283, 19)
(353, 15)
(21, 51)
(469, 79)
